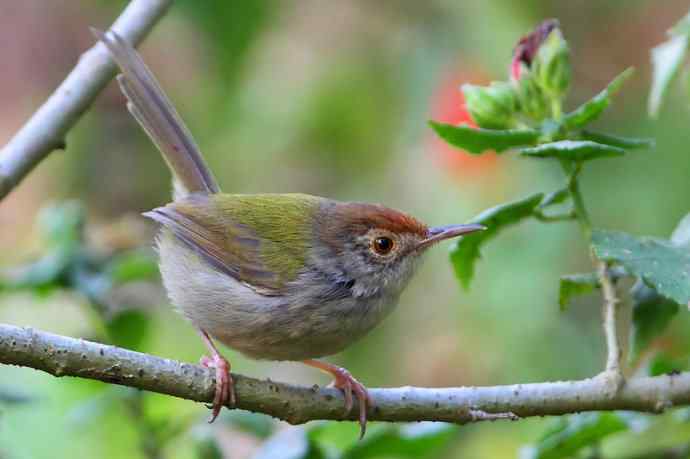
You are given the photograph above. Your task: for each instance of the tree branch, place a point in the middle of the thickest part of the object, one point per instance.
(63, 356)
(46, 129)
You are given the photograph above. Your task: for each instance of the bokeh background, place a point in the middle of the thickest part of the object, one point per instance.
(333, 98)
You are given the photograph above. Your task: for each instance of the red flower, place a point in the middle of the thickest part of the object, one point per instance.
(448, 106)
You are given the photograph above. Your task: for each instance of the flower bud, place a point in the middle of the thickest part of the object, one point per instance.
(532, 99)
(493, 106)
(551, 66)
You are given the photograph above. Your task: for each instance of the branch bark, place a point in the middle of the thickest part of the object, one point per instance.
(46, 129)
(64, 356)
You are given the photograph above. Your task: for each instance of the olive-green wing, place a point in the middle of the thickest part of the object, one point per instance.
(242, 236)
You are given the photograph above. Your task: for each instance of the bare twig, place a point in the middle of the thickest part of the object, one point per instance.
(46, 129)
(63, 356)
(609, 317)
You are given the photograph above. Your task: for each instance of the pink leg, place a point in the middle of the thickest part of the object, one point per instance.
(225, 390)
(343, 380)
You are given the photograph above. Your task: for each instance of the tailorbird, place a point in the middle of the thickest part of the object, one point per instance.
(274, 276)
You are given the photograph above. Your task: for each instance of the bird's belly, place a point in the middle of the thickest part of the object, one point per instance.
(263, 327)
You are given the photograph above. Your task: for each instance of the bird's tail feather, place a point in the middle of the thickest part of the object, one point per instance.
(155, 113)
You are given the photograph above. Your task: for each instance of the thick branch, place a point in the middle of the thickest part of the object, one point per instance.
(63, 356)
(46, 129)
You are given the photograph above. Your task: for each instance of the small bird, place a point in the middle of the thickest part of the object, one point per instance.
(273, 276)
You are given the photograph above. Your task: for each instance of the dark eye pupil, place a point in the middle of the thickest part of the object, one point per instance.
(383, 245)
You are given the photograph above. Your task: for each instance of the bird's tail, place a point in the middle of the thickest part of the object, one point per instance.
(155, 113)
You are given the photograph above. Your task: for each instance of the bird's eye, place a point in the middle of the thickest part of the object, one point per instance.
(383, 245)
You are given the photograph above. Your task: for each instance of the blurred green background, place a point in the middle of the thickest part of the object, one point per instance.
(332, 98)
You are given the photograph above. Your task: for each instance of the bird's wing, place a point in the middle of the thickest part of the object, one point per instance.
(264, 254)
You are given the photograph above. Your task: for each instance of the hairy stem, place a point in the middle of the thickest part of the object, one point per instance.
(610, 300)
(578, 202)
(609, 317)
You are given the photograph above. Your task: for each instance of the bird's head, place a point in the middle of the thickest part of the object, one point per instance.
(376, 247)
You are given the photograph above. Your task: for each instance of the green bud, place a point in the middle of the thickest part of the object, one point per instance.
(493, 106)
(551, 65)
(532, 99)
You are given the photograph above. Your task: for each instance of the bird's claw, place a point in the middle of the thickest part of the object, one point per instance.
(225, 388)
(344, 381)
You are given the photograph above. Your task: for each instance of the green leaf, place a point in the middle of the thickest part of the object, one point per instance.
(293, 443)
(465, 251)
(44, 274)
(11, 396)
(572, 150)
(681, 235)
(651, 315)
(62, 223)
(572, 285)
(666, 60)
(129, 328)
(206, 445)
(662, 265)
(478, 140)
(681, 27)
(132, 266)
(628, 143)
(257, 424)
(406, 441)
(663, 364)
(572, 433)
(590, 110)
(555, 197)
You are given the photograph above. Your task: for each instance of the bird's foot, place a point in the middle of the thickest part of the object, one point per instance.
(225, 387)
(343, 380)
(225, 390)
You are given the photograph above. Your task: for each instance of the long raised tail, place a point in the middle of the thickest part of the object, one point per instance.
(155, 113)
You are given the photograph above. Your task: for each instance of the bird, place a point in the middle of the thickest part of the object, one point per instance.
(284, 277)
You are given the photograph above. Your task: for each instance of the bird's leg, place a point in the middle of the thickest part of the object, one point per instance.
(225, 390)
(343, 380)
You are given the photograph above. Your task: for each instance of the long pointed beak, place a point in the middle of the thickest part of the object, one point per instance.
(441, 233)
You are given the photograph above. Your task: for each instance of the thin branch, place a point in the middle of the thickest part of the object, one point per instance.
(63, 356)
(46, 129)
(609, 317)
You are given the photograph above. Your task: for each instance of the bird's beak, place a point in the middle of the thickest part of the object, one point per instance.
(441, 233)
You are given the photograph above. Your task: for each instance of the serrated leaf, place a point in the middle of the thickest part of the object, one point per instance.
(627, 143)
(572, 285)
(663, 266)
(590, 110)
(572, 150)
(666, 60)
(574, 433)
(478, 140)
(650, 316)
(465, 251)
(406, 441)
